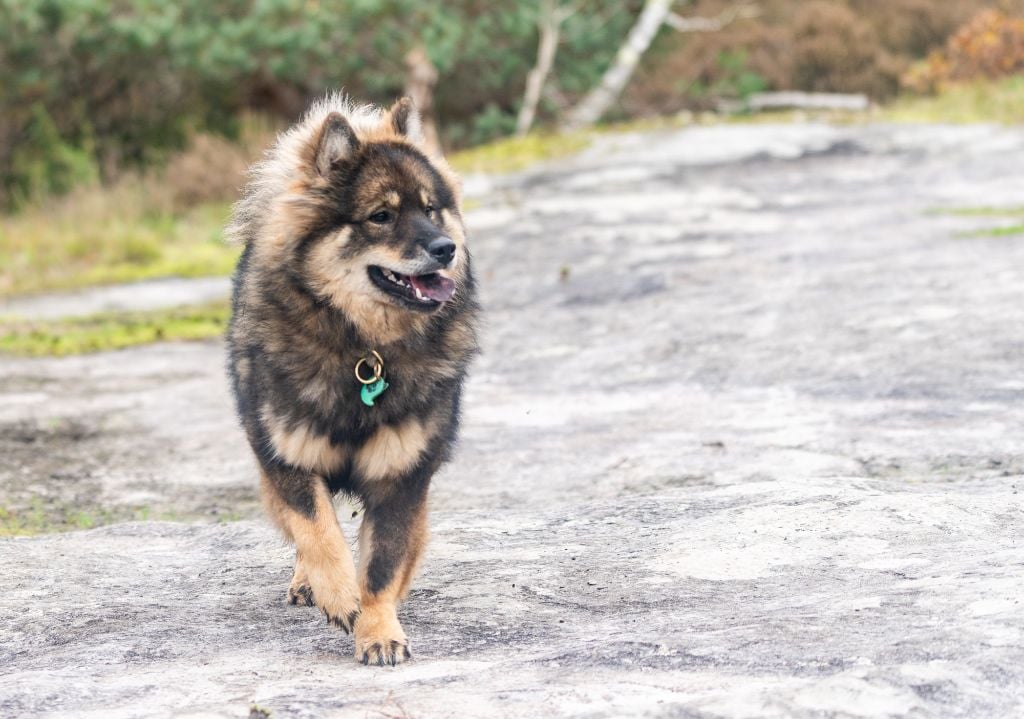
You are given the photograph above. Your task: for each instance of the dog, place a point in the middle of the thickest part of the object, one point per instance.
(354, 317)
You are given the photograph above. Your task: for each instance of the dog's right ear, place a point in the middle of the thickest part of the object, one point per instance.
(337, 142)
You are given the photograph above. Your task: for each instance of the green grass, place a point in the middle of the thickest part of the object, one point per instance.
(518, 153)
(1000, 102)
(1002, 231)
(1011, 212)
(39, 518)
(111, 331)
(985, 211)
(512, 154)
(102, 236)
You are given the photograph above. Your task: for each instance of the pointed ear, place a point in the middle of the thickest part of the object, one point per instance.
(406, 121)
(337, 142)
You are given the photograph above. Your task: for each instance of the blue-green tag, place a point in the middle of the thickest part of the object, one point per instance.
(372, 391)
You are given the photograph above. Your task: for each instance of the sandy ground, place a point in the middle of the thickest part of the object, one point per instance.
(745, 441)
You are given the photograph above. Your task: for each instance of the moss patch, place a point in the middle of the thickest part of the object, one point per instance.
(114, 330)
(40, 518)
(1002, 231)
(517, 153)
(1012, 213)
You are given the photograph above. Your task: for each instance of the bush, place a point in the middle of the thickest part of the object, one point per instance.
(837, 50)
(123, 83)
(990, 46)
(831, 46)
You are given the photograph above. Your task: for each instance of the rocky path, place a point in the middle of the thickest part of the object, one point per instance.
(745, 442)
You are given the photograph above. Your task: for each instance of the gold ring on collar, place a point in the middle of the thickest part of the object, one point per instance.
(378, 368)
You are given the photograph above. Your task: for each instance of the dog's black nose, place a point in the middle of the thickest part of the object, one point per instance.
(442, 249)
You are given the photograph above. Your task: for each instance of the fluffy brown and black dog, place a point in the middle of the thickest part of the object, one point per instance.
(354, 245)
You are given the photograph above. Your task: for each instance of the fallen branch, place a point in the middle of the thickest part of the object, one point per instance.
(711, 24)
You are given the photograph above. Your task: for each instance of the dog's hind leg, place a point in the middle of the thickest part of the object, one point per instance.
(391, 540)
(300, 504)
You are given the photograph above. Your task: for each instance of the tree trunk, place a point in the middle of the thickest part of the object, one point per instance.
(601, 98)
(549, 24)
(420, 79)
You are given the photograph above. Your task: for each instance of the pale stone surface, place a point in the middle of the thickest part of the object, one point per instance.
(145, 295)
(745, 441)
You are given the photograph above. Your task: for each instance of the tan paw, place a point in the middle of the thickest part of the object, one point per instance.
(380, 639)
(338, 598)
(341, 609)
(299, 592)
(301, 595)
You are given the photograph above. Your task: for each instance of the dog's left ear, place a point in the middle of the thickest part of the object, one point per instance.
(406, 121)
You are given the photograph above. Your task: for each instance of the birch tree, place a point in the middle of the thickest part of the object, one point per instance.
(655, 13)
(549, 23)
(597, 101)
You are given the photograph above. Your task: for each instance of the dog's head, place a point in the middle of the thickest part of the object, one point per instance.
(372, 225)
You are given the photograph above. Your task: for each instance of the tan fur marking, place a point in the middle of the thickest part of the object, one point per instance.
(454, 228)
(393, 199)
(392, 450)
(346, 285)
(291, 217)
(300, 446)
(322, 552)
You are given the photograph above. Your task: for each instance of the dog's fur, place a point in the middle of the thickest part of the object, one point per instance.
(306, 309)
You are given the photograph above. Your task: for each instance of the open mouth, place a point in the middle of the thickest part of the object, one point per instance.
(422, 292)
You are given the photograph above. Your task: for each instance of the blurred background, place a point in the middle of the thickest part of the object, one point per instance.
(126, 127)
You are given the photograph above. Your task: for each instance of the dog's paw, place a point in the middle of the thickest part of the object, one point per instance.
(301, 595)
(340, 605)
(391, 654)
(345, 620)
(380, 640)
(338, 597)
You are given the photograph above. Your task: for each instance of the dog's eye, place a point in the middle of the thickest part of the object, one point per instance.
(429, 209)
(381, 217)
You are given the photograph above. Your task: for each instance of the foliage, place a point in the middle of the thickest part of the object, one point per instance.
(92, 86)
(92, 89)
(989, 46)
(732, 78)
(820, 45)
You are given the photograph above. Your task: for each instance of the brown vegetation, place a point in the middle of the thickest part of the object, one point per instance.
(989, 47)
(823, 45)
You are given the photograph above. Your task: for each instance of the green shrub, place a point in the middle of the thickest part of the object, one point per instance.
(91, 87)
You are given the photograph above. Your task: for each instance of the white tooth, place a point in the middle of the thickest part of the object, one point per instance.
(418, 295)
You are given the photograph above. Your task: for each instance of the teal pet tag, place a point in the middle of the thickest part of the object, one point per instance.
(372, 391)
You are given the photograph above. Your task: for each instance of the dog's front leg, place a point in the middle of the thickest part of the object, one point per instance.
(325, 574)
(391, 540)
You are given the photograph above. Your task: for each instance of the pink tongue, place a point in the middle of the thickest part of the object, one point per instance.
(434, 286)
